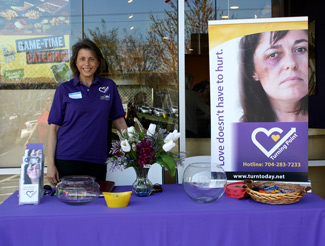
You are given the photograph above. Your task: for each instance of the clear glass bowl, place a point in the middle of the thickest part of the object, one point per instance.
(202, 185)
(77, 189)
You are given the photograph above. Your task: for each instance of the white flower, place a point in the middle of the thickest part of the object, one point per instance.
(131, 131)
(134, 147)
(169, 138)
(168, 146)
(176, 135)
(151, 129)
(125, 146)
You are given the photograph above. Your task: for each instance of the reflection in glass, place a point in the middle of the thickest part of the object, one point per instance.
(139, 44)
(23, 120)
(141, 55)
(34, 56)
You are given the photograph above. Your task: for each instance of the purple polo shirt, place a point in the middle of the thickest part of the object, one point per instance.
(82, 114)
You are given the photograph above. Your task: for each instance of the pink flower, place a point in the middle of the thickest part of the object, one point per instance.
(145, 153)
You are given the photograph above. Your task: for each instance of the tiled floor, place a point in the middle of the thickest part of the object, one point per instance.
(9, 184)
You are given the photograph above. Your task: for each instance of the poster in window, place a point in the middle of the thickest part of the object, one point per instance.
(34, 45)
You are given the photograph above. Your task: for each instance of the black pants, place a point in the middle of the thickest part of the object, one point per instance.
(67, 167)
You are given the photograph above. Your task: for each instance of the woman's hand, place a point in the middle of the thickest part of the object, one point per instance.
(52, 174)
(120, 124)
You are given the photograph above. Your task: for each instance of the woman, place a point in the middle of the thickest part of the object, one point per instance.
(274, 82)
(33, 171)
(79, 117)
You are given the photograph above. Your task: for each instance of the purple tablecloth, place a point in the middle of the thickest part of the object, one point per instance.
(169, 218)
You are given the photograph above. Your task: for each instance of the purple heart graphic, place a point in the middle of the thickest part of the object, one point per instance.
(30, 193)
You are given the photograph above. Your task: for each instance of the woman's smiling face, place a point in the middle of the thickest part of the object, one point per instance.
(33, 169)
(87, 63)
(282, 67)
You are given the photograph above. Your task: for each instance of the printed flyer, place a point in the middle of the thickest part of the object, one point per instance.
(259, 104)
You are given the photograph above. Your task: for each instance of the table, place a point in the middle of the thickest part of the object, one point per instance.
(169, 218)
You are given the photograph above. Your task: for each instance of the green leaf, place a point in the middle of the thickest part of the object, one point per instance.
(131, 164)
(167, 162)
(133, 154)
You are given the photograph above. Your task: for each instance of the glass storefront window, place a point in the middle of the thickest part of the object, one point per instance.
(138, 40)
(238, 9)
(34, 56)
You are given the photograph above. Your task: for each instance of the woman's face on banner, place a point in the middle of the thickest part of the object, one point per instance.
(33, 169)
(36, 152)
(282, 67)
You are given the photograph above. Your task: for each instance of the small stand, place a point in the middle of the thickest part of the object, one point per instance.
(32, 175)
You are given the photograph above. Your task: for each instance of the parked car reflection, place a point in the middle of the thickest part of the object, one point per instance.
(29, 127)
(158, 112)
(174, 110)
(144, 110)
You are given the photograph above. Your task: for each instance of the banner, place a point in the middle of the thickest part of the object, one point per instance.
(259, 98)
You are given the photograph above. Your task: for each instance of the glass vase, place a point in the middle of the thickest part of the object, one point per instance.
(202, 185)
(142, 186)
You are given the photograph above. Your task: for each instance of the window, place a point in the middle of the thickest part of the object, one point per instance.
(138, 40)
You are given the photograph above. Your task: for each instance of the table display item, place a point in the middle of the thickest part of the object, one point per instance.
(271, 192)
(141, 148)
(32, 175)
(236, 190)
(117, 199)
(202, 185)
(77, 189)
(142, 186)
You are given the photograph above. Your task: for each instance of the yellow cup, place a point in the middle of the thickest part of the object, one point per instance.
(117, 199)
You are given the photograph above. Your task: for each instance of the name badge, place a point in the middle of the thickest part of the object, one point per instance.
(75, 95)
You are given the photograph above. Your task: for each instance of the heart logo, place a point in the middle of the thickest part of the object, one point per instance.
(275, 137)
(103, 89)
(30, 193)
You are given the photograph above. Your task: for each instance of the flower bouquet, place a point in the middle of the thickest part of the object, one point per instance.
(142, 148)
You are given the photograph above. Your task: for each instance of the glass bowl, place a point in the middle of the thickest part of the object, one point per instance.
(202, 185)
(77, 189)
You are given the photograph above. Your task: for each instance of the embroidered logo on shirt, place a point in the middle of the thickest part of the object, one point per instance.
(75, 95)
(103, 89)
(106, 97)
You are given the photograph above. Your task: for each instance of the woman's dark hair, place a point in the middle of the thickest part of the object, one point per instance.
(254, 101)
(26, 178)
(88, 45)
